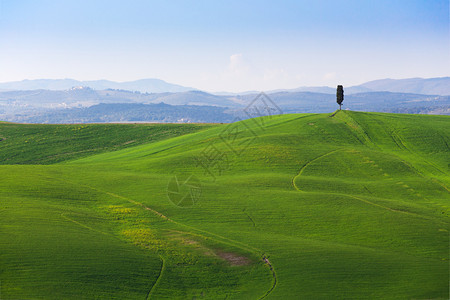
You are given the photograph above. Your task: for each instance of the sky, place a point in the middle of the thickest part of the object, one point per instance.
(229, 45)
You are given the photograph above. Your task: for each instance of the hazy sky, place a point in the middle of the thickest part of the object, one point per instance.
(225, 45)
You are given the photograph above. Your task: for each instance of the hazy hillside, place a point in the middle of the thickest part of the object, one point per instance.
(130, 112)
(297, 102)
(85, 96)
(88, 105)
(142, 85)
(196, 98)
(428, 86)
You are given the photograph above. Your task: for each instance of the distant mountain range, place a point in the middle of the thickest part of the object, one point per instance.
(81, 104)
(309, 102)
(129, 113)
(85, 96)
(430, 86)
(427, 86)
(85, 105)
(143, 85)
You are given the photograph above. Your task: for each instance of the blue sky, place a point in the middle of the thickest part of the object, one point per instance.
(225, 45)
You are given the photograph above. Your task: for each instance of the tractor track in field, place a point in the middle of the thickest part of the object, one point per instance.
(397, 136)
(274, 274)
(82, 225)
(359, 198)
(250, 218)
(161, 271)
(307, 164)
(216, 237)
(357, 128)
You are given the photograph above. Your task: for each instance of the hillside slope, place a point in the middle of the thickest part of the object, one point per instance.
(47, 144)
(309, 206)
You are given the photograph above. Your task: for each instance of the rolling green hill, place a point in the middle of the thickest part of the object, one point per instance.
(47, 144)
(302, 206)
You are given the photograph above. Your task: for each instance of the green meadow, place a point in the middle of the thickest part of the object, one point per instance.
(301, 206)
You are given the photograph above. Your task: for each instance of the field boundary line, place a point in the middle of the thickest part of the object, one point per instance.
(419, 172)
(358, 129)
(361, 199)
(229, 241)
(82, 225)
(161, 270)
(307, 164)
(386, 207)
(395, 132)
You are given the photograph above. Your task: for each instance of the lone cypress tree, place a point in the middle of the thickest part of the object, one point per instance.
(339, 95)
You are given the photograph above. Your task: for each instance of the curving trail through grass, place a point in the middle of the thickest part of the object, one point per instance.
(158, 279)
(274, 274)
(307, 164)
(296, 177)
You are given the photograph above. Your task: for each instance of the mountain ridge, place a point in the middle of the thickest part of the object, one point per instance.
(429, 86)
(149, 85)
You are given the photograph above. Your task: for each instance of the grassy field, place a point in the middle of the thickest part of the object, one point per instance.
(48, 144)
(301, 206)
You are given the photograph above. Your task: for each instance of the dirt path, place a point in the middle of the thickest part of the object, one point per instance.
(267, 262)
